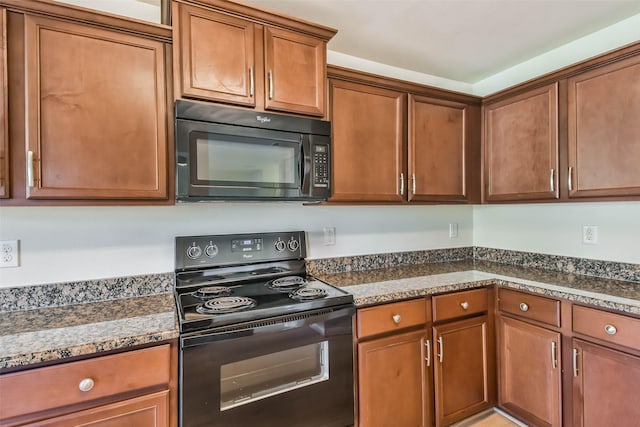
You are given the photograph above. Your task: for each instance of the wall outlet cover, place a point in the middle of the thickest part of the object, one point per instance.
(9, 252)
(590, 234)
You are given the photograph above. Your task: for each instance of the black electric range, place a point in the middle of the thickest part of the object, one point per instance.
(232, 279)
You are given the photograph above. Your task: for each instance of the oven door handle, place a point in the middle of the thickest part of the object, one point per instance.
(270, 325)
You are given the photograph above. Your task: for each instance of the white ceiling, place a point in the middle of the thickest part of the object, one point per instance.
(462, 40)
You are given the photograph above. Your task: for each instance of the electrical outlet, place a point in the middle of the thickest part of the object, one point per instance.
(453, 230)
(9, 253)
(590, 234)
(329, 236)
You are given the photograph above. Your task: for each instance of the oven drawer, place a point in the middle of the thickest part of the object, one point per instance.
(61, 385)
(541, 309)
(392, 317)
(610, 327)
(458, 304)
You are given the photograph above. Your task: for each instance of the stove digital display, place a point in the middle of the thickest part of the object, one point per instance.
(246, 245)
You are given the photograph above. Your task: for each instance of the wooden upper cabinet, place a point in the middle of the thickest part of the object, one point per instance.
(4, 125)
(604, 131)
(217, 55)
(96, 119)
(368, 143)
(233, 57)
(437, 149)
(295, 72)
(521, 147)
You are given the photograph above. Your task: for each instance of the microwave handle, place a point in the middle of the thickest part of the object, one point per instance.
(305, 164)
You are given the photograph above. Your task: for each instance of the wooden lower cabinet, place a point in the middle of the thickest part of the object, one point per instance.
(146, 411)
(461, 369)
(529, 372)
(395, 381)
(605, 386)
(131, 388)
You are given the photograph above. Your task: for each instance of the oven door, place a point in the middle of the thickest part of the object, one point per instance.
(294, 371)
(216, 161)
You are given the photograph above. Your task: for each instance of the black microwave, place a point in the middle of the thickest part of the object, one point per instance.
(225, 153)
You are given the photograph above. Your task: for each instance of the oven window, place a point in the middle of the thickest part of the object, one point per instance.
(231, 160)
(253, 379)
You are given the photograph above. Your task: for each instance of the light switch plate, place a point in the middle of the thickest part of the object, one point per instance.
(453, 230)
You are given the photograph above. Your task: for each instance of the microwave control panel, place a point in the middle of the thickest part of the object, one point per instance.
(321, 165)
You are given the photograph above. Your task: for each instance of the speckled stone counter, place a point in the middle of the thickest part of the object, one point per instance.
(48, 334)
(396, 283)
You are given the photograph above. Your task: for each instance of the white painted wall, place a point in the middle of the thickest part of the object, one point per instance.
(80, 243)
(557, 229)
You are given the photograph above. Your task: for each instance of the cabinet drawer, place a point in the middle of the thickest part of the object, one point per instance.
(392, 317)
(614, 328)
(57, 386)
(459, 304)
(545, 310)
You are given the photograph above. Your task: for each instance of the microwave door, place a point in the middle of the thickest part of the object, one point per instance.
(225, 162)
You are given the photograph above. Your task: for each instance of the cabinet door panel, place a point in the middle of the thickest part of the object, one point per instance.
(394, 381)
(96, 112)
(217, 56)
(605, 389)
(4, 125)
(295, 73)
(368, 143)
(529, 372)
(149, 411)
(604, 131)
(521, 147)
(461, 369)
(436, 150)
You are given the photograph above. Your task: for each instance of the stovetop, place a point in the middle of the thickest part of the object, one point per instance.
(225, 289)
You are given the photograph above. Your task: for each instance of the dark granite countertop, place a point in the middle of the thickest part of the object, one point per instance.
(49, 334)
(396, 283)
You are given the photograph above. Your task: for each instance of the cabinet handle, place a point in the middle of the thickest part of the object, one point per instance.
(610, 329)
(524, 306)
(30, 168)
(554, 358)
(570, 179)
(575, 362)
(552, 180)
(440, 349)
(413, 183)
(464, 305)
(270, 84)
(396, 318)
(402, 183)
(427, 344)
(251, 81)
(86, 384)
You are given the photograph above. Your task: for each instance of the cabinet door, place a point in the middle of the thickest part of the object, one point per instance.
(604, 131)
(149, 411)
(4, 126)
(216, 55)
(295, 72)
(368, 143)
(461, 369)
(605, 386)
(529, 372)
(394, 386)
(521, 147)
(436, 150)
(96, 115)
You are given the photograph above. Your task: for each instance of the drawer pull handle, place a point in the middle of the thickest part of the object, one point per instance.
(610, 329)
(524, 306)
(86, 384)
(464, 305)
(396, 318)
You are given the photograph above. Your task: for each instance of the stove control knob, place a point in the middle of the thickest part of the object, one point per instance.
(194, 251)
(280, 245)
(211, 250)
(293, 244)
